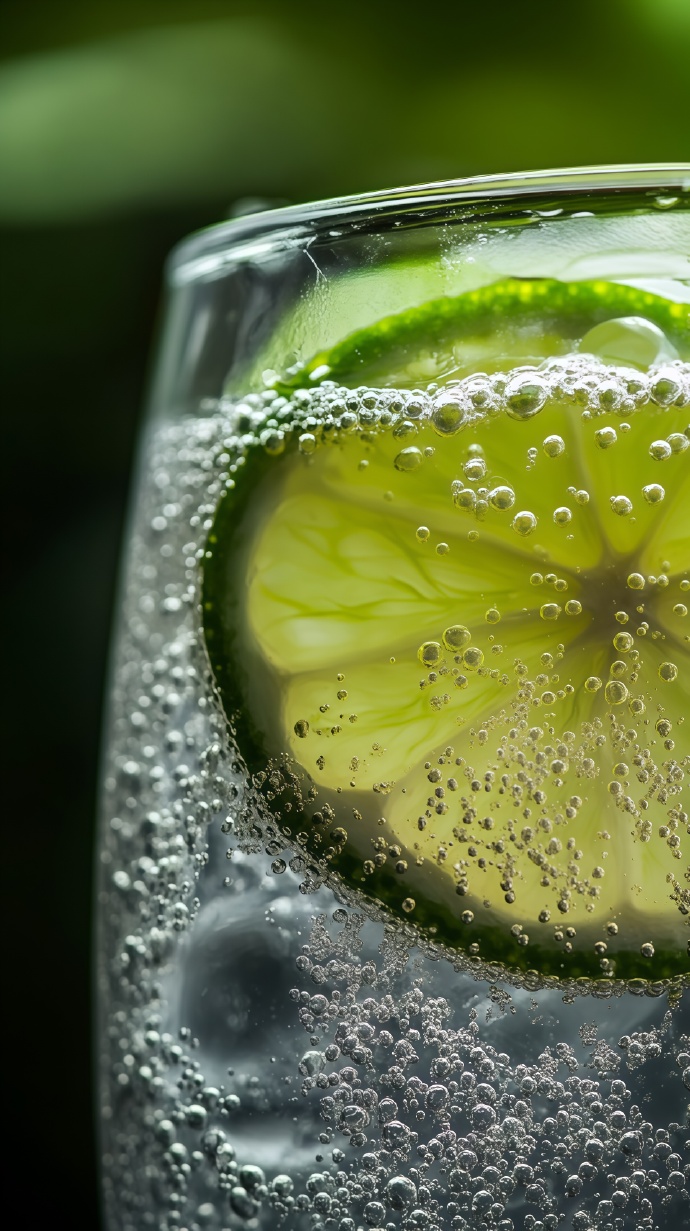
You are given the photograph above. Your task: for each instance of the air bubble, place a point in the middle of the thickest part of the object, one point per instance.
(502, 498)
(456, 637)
(653, 493)
(273, 441)
(400, 1192)
(573, 607)
(593, 683)
(628, 340)
(422, 533)
(605, 437)
(660, 450)
(623, 642)
(609, 395)
(447, 415)
(668, 672)
(473, 657)
(635, 581)
(429, 653)
(312, 1062)
(525, 396)
(474, 469)
(562, 516)
(307, 443)
(483, 1117)
(301, 728)
(463, 497)
(549, 611)
(524, 523)
(616, 692)
(553, 446)
(243, 1204)
(666, 387)
(404, 428)
(621, 505)
(415, 407)
(408, 459)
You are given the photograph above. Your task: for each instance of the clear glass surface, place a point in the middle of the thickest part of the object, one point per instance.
(274, 1049)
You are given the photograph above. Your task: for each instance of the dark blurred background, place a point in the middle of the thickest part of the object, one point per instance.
(122, 127)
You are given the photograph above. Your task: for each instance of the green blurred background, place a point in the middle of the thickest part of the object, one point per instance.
(122, 127)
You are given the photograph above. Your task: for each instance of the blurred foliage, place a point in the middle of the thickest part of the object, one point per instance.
(123, 125)
(115, 107)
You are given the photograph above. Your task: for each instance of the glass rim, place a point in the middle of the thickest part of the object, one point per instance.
(254, 234)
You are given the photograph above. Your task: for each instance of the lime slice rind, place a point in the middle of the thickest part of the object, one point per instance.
(530, 310)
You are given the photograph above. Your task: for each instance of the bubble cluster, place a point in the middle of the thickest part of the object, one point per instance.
(596, 388)
(272, 1061)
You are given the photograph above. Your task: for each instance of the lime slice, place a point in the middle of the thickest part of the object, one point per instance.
(504, 325)
(450, 634)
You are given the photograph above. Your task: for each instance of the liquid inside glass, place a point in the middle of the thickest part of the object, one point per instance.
(397, 811)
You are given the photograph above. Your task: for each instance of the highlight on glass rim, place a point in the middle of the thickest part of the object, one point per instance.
(396, 903)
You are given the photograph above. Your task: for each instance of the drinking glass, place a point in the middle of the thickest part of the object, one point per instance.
(309, 1016)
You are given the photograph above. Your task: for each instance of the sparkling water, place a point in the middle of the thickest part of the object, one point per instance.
(276, 1053)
